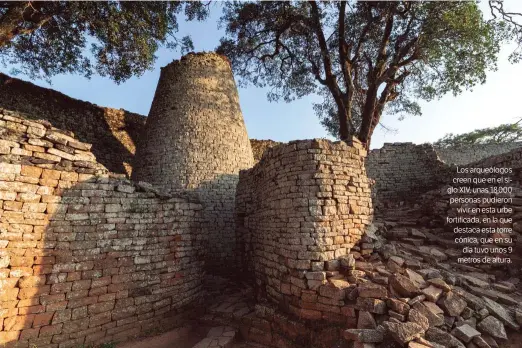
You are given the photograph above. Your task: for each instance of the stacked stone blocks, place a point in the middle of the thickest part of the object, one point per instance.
(195, 139)
(87, 257)
(299, 212)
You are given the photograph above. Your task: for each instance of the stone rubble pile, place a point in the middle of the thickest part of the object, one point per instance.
(412, 293)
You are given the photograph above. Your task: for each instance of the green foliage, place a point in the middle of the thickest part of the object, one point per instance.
(377, 57)
(504, 133)
(115, 38)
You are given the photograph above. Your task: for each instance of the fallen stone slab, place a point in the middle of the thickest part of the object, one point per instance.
(433, 313)
(490, 340)
(403, 332)
(404, 286)
(504, 287)
(417, 317)
(480, 342)
(416, 278)
(501, 313)
(372, 305)
(492, 326)
(372, 290)
(452, 304)
(366, 320)
(364, 335)
(398, 306)
(439, 283)
(432, 293)
(465, 333)
(442, 337)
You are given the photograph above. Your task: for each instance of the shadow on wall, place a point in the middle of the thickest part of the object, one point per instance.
(218, 200)
(113, 133)
(88, 260)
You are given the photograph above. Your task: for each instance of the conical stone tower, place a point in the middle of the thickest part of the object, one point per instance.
(195, 139)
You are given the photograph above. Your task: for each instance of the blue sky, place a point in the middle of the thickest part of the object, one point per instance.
(496, 102)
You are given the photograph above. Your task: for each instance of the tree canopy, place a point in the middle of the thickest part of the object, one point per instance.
(504, 133)
(115, 38)
(363, 58)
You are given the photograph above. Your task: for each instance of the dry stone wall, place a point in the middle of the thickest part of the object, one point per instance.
(196, 139)
(87, 257)
(260, 146)
(299, 212)
(465, 154)
(112, 132)
(402, 171)
(437, 206)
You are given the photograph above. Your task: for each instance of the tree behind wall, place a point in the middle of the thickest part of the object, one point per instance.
(46, 38)
(362, 57)
(504, 133)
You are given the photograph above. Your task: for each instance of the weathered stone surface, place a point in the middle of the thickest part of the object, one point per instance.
(366, 320)
(398, 306)
(442, 337)
(403, 285)
(403, 332)
(492, 326)
(465, 333)
(187, 120)
(347, 261)
(417, 317)
(452, 304)
(480, 342)
(432, 293)
(439, 283)
(430, 311)
(4, 259)
(501, 313)
(372, 290)
(416, 278)
(364, 335)
(83, 252)
(371, 305)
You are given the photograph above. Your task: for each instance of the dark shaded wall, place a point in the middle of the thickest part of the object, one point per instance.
(112, 132)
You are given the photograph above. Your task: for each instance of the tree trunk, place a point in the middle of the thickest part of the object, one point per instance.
(344, 130)
(366, 130)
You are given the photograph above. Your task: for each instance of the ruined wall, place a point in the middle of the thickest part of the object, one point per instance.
(404, 170)
(260, 146)
(196, 139)
(112, 132)
(465, 154)
(87, 257)
(299, 210)
(437, 207)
